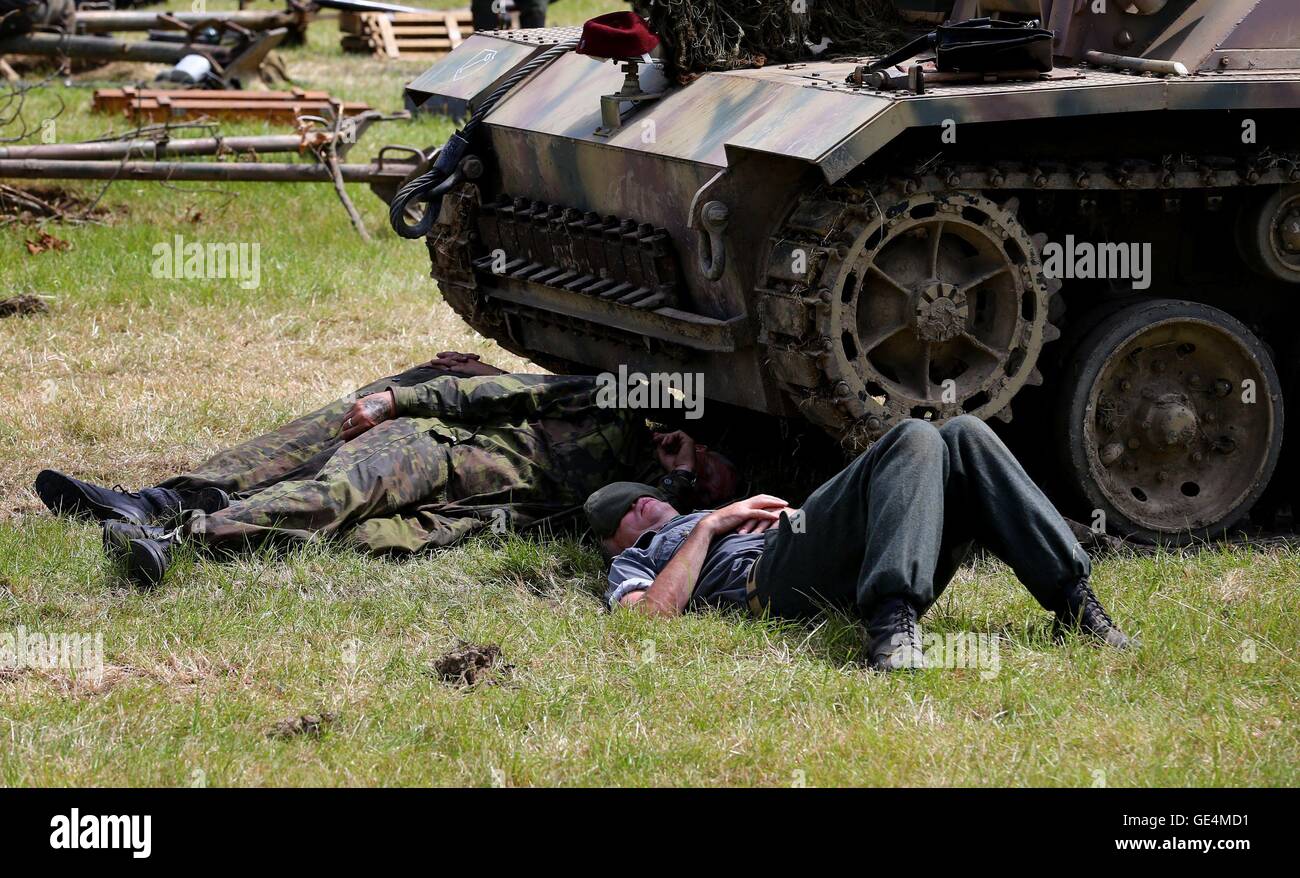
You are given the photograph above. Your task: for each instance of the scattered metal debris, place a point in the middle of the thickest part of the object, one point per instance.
(328, 140)
(312, 134)
(234, 56)
(294, 18)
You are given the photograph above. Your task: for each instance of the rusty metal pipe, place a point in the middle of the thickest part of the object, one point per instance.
(109, 21)
(228, 172)
(367, 6)
(96, 48)
(1140, 65)
(107, 150)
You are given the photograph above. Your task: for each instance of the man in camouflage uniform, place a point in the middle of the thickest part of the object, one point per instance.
(419, 460)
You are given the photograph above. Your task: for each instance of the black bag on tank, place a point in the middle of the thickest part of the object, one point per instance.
(980, 45)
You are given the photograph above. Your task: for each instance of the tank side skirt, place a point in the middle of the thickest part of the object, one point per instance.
(1119, 94)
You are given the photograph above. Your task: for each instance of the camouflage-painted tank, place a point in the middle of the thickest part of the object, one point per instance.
(856, 249)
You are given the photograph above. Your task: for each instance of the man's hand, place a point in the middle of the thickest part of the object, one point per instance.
(675, 450)
(367, 412)
(751, 515)
(468, 365)
(671, 590)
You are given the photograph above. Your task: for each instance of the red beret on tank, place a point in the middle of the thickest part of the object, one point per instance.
(616, 35)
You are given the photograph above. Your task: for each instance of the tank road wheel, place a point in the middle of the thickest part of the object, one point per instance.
(938, 308)
(1268, 234)
(1170, 420)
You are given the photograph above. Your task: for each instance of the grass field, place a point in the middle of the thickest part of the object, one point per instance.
(130, 378)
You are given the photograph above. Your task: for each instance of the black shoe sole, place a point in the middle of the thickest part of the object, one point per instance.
(887, 666)
(1062, 630)
(147, 563)
(63, 496)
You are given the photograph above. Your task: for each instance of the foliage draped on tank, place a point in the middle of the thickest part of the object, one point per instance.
(703, 35)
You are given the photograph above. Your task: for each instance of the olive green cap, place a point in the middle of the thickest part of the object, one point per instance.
(606, 507)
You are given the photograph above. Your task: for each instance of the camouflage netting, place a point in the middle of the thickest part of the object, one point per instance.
(703, 35)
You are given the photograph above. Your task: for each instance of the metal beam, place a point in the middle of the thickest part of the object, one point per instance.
(259, 172)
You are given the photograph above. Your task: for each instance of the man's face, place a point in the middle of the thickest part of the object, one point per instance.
(716, 480)
(647, 513)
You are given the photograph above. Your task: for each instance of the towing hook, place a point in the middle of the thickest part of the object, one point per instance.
(433, 200)
(712, 251)
(470, 168)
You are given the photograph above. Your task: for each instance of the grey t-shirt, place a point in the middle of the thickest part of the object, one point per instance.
(722, 577)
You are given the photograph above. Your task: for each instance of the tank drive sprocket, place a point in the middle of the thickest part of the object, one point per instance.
(935, 306)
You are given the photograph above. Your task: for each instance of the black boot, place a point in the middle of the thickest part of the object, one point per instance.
(119, 534)
(1081, 611)
(894, 638)
(64, 495)
(147, 563)
(207, 500)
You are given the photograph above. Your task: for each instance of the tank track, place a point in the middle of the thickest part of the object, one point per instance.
(827, 222)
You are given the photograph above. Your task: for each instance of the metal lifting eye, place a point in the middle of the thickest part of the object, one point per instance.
(712, 251)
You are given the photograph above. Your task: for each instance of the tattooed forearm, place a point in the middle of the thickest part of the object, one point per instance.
(376, 408)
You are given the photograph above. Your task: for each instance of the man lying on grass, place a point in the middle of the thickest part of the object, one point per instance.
(883, 538)
(421, 459)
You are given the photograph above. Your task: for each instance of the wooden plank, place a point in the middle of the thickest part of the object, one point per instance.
(211, 94)
(252, 106)
(386, 34)
(460, 15)
(396, 35)
(453, 30)
(359, 19)
(164, 104)
(407, 45)
(392, 35)
(432, 31)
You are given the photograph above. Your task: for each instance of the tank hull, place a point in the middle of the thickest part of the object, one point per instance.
(725, 227)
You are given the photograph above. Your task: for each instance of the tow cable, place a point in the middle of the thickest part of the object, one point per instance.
(445, 174)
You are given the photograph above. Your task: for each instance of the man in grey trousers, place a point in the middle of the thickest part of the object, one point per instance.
(882, 539)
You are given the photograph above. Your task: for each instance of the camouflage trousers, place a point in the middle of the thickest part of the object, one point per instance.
(302, 480)
(298, 450)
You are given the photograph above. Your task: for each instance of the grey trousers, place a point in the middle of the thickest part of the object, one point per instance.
(899, 520)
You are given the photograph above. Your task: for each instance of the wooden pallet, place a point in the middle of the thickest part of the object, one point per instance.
(161, 105)
(405, 35)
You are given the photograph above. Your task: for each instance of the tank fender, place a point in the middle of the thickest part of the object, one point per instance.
(457, 80)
